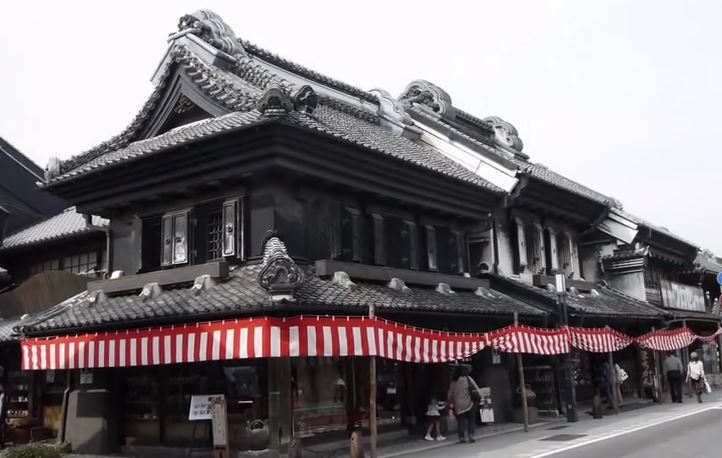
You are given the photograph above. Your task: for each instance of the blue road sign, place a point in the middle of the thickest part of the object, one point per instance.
(719, 278)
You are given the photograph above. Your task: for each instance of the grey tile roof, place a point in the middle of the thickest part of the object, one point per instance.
(188, 133)
(239, 91)
(66, 224)
(481, 139)
(303, 71)
(370, 134)
(707, 262)
(7, 334)
(662, 230)
(241, 294)
(610, 302)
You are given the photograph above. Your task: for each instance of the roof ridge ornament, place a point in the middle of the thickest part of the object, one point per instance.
(506, 136)
(305, 99)
(394, 113)
(275, 101)
(53, 168)
(429, 95)
(280, 275)
(212, 29)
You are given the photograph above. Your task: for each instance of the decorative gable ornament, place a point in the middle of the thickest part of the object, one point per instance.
(506, 135)
(275, 101)
(305, 99)
(280, 275)
(430, 96)
(52, 170)
(209, 27)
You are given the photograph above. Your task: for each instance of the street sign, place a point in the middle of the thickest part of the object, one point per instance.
(719, 278)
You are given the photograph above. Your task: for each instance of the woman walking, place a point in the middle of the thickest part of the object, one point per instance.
(695, 374)
(463, 396)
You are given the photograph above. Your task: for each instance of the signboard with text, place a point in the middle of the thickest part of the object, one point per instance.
(202, 407)
(683, 297)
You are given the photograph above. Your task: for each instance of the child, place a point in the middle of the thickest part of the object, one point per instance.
(433, 416)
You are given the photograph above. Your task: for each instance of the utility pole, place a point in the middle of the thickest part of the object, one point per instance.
(372, 394)
(570, 391)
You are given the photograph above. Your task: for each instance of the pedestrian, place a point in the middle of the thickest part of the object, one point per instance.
(433, 417)
(463, 396)
(620, 376)
(695, 374)
(675, 371)
(606, 382)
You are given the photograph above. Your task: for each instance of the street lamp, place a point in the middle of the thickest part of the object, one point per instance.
(570, 391)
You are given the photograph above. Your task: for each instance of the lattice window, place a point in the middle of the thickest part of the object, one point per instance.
(215, 235)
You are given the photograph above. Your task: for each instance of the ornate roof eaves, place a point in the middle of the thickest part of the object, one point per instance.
(186, 40)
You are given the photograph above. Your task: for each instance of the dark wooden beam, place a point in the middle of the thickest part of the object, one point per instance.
(217, 269)
(327, 267)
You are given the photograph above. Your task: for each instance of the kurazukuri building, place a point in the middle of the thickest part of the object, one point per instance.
(250, 191)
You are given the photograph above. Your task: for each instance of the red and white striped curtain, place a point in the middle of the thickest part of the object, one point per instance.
(710, 338)
(321, 336)
(522, 339)
(250, 338)
(667, 340)
(602, 340)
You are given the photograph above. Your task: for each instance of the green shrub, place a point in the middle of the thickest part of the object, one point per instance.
(31, 451)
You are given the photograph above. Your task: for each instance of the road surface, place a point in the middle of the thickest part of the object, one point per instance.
(681, 434)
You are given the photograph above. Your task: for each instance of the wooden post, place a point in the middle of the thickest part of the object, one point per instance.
(615, 380)
(615, 400)
(372, 396)
(657, 388)
(522, 384)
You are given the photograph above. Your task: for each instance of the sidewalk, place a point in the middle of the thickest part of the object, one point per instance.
(560, 434)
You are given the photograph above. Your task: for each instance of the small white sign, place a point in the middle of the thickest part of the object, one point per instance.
(202, 407)
(495, 356)
(86, 377)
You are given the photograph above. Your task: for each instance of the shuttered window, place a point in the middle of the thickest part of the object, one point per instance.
(231, 227)
(175, 238)
(431, 251)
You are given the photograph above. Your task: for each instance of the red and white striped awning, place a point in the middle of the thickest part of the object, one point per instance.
(250, 338)
(522, 339)
(602, 340)
(667, 340)
(712, 337)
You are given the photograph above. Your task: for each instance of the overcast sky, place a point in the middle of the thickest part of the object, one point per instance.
(623, 96)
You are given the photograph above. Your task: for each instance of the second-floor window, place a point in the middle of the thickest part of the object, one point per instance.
(204, 233)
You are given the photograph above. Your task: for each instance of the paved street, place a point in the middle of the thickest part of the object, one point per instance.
(688, 430)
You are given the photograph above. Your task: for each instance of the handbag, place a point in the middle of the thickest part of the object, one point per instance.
(487, 415)
(475, 395)
(623, 376)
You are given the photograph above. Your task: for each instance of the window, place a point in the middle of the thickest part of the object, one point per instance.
(215, 235)
(431, 252)
(565, 253)
(517, 238)
(175, 238)
(379, 239)
(535, 249)
(208, 232)
(351, 236)
(481, 254)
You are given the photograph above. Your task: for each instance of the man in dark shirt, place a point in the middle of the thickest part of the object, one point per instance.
(674, 370)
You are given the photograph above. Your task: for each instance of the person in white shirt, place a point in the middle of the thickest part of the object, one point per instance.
(695, 374)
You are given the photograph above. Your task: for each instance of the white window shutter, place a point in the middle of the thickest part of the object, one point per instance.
(180, 238)
(521, 245)
(230, 227)
(166, 241)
